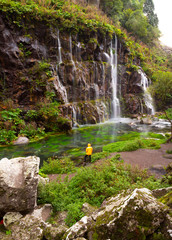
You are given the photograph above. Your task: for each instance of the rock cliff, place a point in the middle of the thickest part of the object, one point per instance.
(37, 61)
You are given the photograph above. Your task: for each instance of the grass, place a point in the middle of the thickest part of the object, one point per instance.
(57, 166)
(92, 185)
(64, 14)
(95, 183)
(134, 140)
(132, 145)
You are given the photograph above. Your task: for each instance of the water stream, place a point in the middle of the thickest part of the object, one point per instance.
(147, 97)
(59, 48)
(114, 62)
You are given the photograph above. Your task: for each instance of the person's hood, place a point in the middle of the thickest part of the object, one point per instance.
(89, 145)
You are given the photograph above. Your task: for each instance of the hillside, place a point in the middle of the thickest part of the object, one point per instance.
(64, 63)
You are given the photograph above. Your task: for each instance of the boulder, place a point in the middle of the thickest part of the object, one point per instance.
(10, 218)
(88, 209)
(21, 141)
(33, 226)
(28, 227)
(18, 184)
(42, 212)
(42, 180)
(161, 192)
(130, 215)
(147, 121)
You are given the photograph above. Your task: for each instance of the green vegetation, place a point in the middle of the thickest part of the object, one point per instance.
(137, 17)
(134, 141)
(64, 14)
(57, 166)
(169, 151)
(33, 124)
(133, 145)
(167, 199)
(93, 184)
(99, 155)
(161, 89)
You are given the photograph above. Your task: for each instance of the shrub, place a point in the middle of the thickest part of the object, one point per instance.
(7, 136)
(56, 166)
(99, 155)
(93, 185)
(169, 151)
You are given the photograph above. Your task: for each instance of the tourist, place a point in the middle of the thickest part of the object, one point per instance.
(89, 151)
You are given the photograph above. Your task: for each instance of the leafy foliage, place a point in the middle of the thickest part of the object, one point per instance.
(136, 141)
(137, 17)
(93, 185)
(32, 124)
(161, 89)
(72, 17)
(57, 166)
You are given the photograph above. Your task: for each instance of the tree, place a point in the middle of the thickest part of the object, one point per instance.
(113, 8)
(161, 89)
(148, 9)
(168, 114)
(136, 23)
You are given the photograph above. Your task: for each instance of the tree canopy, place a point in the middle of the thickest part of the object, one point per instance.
(136, 16)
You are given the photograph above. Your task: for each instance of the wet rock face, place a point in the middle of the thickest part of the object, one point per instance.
(138, 212)
(18, 185)
(37, 59)
(132, 92)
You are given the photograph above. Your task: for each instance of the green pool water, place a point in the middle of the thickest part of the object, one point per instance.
(73, 144)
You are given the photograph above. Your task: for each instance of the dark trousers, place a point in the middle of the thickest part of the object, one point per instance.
(89, 158)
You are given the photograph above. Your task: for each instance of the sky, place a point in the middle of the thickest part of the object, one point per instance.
(163, 8)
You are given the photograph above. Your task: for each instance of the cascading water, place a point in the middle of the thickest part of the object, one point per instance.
(147, 97)
(57, 84)
(115, 100)
(60, 88)
(59, 48)
(70, 48)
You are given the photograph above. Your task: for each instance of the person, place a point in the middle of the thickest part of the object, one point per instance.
(89, 151)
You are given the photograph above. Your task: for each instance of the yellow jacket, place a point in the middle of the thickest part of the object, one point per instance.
(89, 149)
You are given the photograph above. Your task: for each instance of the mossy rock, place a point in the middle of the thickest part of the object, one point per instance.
(167, 199)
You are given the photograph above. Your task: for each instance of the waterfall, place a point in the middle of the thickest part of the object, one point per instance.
(73, 69)
(96, 88)
(147, 97)
(61, 89)
(74, 116)
(59, 48)
(115, 100)
(70, 49)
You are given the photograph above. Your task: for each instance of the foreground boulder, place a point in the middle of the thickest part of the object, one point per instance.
(130, 215)
(18, 184)
(33, 225)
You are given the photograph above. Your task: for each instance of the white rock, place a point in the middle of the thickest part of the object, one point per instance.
(18, 184)
(21, 141)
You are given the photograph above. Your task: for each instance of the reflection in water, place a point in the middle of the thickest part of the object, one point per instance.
(74, 144)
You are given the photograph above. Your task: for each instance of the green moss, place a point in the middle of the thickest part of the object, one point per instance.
(167, 199)
(69, 16)
(132, 145)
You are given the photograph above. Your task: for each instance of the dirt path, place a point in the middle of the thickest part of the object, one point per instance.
(153, 160)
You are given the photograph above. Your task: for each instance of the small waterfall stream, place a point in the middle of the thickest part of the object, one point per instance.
(147, 97)
(59, 48)
(57, 84)
(60, 88)
(115, 100)
(70, 49)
